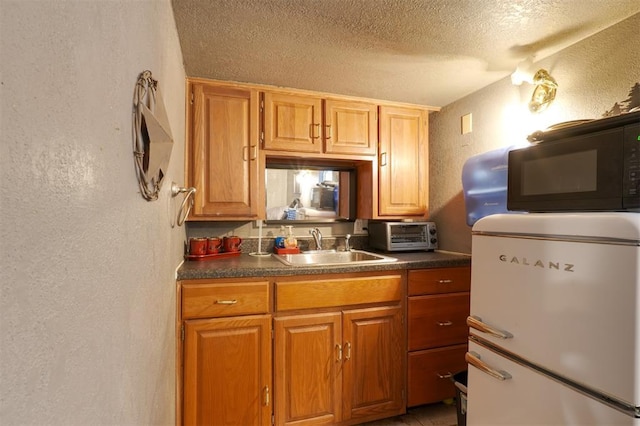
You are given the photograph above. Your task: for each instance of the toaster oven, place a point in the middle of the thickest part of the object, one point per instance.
(403, 236)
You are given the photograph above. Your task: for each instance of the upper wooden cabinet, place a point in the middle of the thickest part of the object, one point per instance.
(233, 130)
(292, 123)
(222, 160)
(308, 124)
(403, 162)
(350, 127)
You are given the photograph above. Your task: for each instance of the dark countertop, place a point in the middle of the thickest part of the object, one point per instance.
(250, 266)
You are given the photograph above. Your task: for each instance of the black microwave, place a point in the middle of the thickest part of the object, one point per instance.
(590, 166)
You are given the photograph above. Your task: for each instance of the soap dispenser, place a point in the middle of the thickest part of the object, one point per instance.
(290, 241)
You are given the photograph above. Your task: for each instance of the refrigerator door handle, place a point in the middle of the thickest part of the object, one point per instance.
(474, 359)
(477, 324)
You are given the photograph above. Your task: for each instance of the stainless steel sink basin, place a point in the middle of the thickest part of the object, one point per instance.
(332, 257)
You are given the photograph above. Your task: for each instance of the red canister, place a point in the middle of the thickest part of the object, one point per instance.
(214, 245)
(232, 244)
(197, 246)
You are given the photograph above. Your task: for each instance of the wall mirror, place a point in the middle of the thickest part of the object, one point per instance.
(309, 194)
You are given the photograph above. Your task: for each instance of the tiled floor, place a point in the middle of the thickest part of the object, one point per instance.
(426, 415)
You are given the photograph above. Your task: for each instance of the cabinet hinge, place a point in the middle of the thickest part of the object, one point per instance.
(192, 98)
(261, 105)
(182, 332)
(273, 419)
(272, 334)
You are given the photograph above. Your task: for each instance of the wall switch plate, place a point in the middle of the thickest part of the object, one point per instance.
(360, 226)
(466, 124)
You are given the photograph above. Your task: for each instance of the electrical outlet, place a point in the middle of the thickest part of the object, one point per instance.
(360, 226)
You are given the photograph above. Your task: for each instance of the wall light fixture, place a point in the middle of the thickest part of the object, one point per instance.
(546, 86)
(545, 91)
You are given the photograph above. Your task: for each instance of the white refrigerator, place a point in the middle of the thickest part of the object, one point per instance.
(554, 330)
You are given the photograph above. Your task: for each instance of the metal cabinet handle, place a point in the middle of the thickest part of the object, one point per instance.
(444, 323)
(347, 347)
(245, 153)
(339, 352)
(266, 396)
(311, 126)
(474, 359)
(227, 302)
(477, 324)
(445, 281)
(447, 375)
(327, 132)
(383, 159)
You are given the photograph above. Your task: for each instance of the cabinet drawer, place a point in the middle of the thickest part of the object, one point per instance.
(439, 280)
(438, 320)
(337, 292)
(224, 299)
(429, 374)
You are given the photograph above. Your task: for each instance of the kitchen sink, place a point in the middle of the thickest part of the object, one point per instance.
(332, 257)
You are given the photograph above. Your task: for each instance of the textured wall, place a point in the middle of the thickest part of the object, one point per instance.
(592, 75)
(87, 273)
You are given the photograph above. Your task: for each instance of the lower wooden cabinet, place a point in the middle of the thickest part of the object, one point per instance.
(314, 357)
(308, 369)
(227, 371)
(430, 373)
(437, 309)
(437, 320)
(373, 353)
(339, 367)
(225, 352)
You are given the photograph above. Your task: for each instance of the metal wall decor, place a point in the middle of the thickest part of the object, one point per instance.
(152, 140)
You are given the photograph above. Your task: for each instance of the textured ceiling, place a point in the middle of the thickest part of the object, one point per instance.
(429, 52)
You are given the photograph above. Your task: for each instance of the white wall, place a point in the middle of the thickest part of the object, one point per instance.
(87, 272)
(592, 75)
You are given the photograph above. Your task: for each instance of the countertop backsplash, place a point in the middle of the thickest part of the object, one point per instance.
(333, 234)
(250, 244)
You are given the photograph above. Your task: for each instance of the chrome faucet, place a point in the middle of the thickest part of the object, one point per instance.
(347, 245)
(317, 236)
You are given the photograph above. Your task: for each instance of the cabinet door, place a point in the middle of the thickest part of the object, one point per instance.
(403, 162)
(350, 127)
(373, 368)
(224, 162)
(308, 359)
(292, 123)
(227, 371)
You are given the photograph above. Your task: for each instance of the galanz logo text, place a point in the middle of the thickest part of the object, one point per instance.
(537, 263)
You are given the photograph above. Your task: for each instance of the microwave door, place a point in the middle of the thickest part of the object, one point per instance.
(579, 173)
